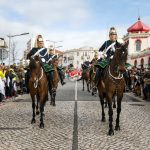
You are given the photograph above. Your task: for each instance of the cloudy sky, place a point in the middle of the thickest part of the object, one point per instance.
(75, 22)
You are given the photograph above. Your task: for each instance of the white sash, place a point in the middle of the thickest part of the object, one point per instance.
(111, 46)
(37, 53)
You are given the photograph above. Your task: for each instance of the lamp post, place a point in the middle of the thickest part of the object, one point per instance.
(10, 36)
(54, 43)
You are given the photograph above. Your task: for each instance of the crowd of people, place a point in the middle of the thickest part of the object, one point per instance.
(12, 82)
(139, 82)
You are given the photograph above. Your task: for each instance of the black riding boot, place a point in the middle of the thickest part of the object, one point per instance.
(61, 75)
(98, 75)
(27, 77)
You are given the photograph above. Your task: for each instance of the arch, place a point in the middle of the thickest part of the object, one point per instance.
(142, 63)
(149, 62)
(135, 63)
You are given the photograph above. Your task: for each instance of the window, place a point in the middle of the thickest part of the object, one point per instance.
(138, 45)
(77, 53)
(85, 53)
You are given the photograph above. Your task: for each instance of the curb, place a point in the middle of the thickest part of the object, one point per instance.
(134, 98)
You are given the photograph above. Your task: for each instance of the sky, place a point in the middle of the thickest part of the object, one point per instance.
(75, 22)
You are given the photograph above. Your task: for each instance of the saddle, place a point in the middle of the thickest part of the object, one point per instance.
(47, 68)
(103, 63)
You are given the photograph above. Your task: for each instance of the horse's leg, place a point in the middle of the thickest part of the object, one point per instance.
(33, 109)
(110, 112)
(87, 82)
(37, 106)
(53, 96)
(114, 102)
(102, 104)
(119, 99)
(83, 84)
(42, 102)
(50, 91)
(105, 103)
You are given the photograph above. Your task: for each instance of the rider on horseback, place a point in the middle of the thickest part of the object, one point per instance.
(108, 49)
(59, 68)
(40, 50)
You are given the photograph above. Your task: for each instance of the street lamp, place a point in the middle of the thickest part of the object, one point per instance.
(54, 43)
(10, 36)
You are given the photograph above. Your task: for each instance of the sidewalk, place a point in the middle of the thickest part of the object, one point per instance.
(133, 97)
(5, 101)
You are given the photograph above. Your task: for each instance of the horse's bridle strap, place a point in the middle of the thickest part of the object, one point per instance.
(120, 76)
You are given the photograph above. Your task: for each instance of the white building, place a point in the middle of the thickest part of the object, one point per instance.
(139, 44)
(78, 56)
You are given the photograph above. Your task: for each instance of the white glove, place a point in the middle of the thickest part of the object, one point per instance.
(43, 60)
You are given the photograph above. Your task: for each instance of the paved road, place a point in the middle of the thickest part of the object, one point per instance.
(73, 124)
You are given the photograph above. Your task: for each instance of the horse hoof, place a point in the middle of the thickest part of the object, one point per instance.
(111, 132)
(37, 113)
(41, 125)
(33, 121)
(54, 104)
(89, 91)
(103, 120)
(92, 93)
(51, 103)
(114, 106)
(117, 128)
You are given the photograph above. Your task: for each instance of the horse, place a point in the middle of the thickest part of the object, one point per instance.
(54, 82)
(86, 77)
(38, 86)
(112, 83)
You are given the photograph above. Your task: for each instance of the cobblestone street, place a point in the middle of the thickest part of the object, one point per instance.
(73, 124)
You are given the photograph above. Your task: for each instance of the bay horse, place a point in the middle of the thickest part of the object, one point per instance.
(86, 77)
(54, 82)
(112, 83)
(38, 86)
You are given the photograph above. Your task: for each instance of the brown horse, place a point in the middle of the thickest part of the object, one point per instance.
(112, 83)
(54, 82)
(38, 86)
(86, 77)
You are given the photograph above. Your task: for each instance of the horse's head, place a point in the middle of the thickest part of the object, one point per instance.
(55, 62)
(120, 57)
(35, 64)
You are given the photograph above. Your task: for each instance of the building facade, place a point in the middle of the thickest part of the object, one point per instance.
(78, 56)
(139, 44)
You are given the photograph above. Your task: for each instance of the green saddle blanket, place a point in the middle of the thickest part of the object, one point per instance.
(127, 65)
(47, 68)
(102, 64)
